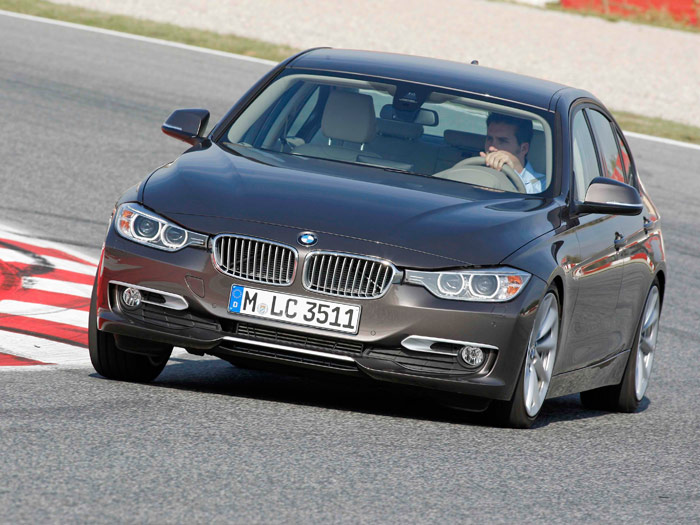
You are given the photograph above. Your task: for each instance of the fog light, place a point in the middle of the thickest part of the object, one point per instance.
(472, 356)
(131, 298)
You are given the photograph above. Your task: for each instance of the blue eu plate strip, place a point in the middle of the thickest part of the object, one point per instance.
(234, 303)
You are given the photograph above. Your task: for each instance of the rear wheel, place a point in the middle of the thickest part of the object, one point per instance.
(114, 363)
(626, 396)
(536, 374)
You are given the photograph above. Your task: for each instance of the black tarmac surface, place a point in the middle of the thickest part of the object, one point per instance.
(207, 442)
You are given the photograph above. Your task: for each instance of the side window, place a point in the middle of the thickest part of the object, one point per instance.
(586, 166)
(629, 177)
(607, 146)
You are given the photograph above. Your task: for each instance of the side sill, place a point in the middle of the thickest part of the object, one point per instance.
(605, 373)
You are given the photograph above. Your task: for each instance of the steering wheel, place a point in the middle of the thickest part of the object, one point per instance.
(506, 170)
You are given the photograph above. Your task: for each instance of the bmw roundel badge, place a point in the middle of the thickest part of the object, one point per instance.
(307, 239)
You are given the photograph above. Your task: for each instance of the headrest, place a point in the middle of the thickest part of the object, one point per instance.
(397, 128)
(349, 116)
(464, 139)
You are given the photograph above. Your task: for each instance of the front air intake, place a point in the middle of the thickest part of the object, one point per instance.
(346, 275)
(256, 260)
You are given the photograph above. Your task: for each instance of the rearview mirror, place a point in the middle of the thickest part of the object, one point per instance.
(426, 117)
(187, 125)
(611, 197)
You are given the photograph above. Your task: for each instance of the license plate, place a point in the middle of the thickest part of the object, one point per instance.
(294, 309)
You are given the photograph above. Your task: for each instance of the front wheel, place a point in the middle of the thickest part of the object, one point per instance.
(626, 395)
(112, 362)
(536, 374)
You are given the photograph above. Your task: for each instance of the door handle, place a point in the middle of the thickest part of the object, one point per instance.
(648, 225)
(619, 241)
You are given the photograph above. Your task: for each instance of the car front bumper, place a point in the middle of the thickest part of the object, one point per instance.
(206, 326)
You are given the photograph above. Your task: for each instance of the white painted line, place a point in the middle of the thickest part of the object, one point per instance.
(55, 286)
(56, 355)
(139, 38)
(661, 140)
(13, 235)
(46, 261)
(43, 350)
(37, 368)
(45, 312)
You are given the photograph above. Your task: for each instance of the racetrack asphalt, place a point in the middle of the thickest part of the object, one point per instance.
(209, 442)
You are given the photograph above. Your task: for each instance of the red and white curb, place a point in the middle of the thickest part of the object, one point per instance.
(45, 290)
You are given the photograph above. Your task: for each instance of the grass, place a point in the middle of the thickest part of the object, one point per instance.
(256, 48)
(658, 127)
(137, 26)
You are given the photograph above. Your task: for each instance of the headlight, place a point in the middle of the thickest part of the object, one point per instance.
(491, 285)
(138, 224)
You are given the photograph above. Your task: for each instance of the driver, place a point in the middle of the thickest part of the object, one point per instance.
(508, 142)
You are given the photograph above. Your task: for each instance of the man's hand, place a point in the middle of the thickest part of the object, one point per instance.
(497, 158)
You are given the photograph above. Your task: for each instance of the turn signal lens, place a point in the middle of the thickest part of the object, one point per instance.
(125, 219)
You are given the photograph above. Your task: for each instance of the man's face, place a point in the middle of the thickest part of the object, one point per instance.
(501, 137)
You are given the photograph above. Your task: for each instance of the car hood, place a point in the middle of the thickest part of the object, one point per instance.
(214, 191)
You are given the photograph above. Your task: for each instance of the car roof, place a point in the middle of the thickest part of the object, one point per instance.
(475, 79)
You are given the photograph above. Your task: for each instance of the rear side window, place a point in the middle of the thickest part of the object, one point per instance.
(607, 146)
(629, 178)
(586, 167)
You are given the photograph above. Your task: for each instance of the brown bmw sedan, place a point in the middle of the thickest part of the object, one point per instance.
(410, 220)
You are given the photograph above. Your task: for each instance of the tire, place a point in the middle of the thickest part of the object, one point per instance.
(113, 363)
(531, 390)
(629, 392)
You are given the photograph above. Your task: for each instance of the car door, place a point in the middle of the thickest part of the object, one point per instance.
(639, 252)
(632, 236)
(594, 332)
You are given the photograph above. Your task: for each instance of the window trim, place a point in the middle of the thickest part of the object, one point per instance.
(597, 139)
(583, 104)
(581, 108)
(634, 180)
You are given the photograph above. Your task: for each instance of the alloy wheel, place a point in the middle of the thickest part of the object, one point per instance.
(541, 353)
(648, 330)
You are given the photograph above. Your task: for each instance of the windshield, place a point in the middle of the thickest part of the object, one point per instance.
(399, 126)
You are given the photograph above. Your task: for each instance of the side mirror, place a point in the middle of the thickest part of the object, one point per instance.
(187, 125)
(611, 197)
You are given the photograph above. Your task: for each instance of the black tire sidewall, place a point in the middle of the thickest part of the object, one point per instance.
(111, 362)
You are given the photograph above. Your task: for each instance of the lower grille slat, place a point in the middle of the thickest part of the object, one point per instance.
(283, 337)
